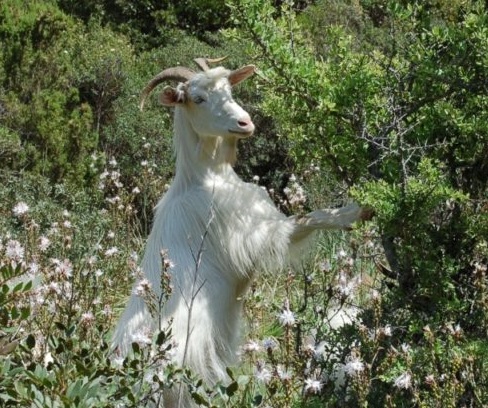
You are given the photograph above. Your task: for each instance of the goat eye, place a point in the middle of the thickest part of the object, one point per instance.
(198, 100)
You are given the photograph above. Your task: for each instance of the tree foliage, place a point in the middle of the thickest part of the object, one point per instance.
(153, 23)
(391, 97)
(59, 81)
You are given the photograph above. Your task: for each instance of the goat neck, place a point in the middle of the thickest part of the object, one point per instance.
(198, 158)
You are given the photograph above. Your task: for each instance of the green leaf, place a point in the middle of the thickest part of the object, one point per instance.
(18, 287)
(199, 399)
(14, 313)
(232, 388)
(230, 373)
(161, 338)
(24, 313)
(30, 341)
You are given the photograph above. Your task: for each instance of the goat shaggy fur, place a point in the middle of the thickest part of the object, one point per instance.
(217, 230)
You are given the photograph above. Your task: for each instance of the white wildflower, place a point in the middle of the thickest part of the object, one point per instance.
(255, 178)
(319, 350)
(54, 228)
(113, 200)
(38, 299)
(262, 373)
(325, 266)
(309, 349)
(87, 319)
(14, 250)
(287, 318)
(375, 295)
(269, 344)
(456, 331)
(312, 386)
(251, 346)
(44, 243)
(404, 381)
(349, 261)
(346, 287)
(168, 264)
(107, 310)
(53, 288)
(111, 252)
(118, 361)
(48, 359)
(20, 209)
(142, 288)
(33, 268)
(92, 260)
(429, 380)
(296, 195)
(63, 268)
(136, 190)
(387, 330)
(405, 348)
(283, 373)
(480, 268)
(354, 366)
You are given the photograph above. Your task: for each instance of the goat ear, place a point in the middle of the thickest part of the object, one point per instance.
(241, 74)
(171, 96)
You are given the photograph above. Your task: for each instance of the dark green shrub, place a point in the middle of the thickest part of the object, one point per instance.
(151, 23)
(59, 82)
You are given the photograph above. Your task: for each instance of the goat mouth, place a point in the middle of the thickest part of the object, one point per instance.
(241, 133)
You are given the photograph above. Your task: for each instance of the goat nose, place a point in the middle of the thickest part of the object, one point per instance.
(245, 122)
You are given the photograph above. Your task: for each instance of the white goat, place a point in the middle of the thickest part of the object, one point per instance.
(217, 230)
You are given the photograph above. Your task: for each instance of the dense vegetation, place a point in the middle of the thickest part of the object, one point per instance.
(382, 101)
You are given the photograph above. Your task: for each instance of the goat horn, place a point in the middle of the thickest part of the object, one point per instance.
(203, 62)
(180, 74)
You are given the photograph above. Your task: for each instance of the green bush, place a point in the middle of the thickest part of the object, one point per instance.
(59, 82)
(150, 23)
(393, 105)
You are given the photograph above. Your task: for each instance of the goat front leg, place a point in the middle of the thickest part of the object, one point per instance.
(336, 218)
